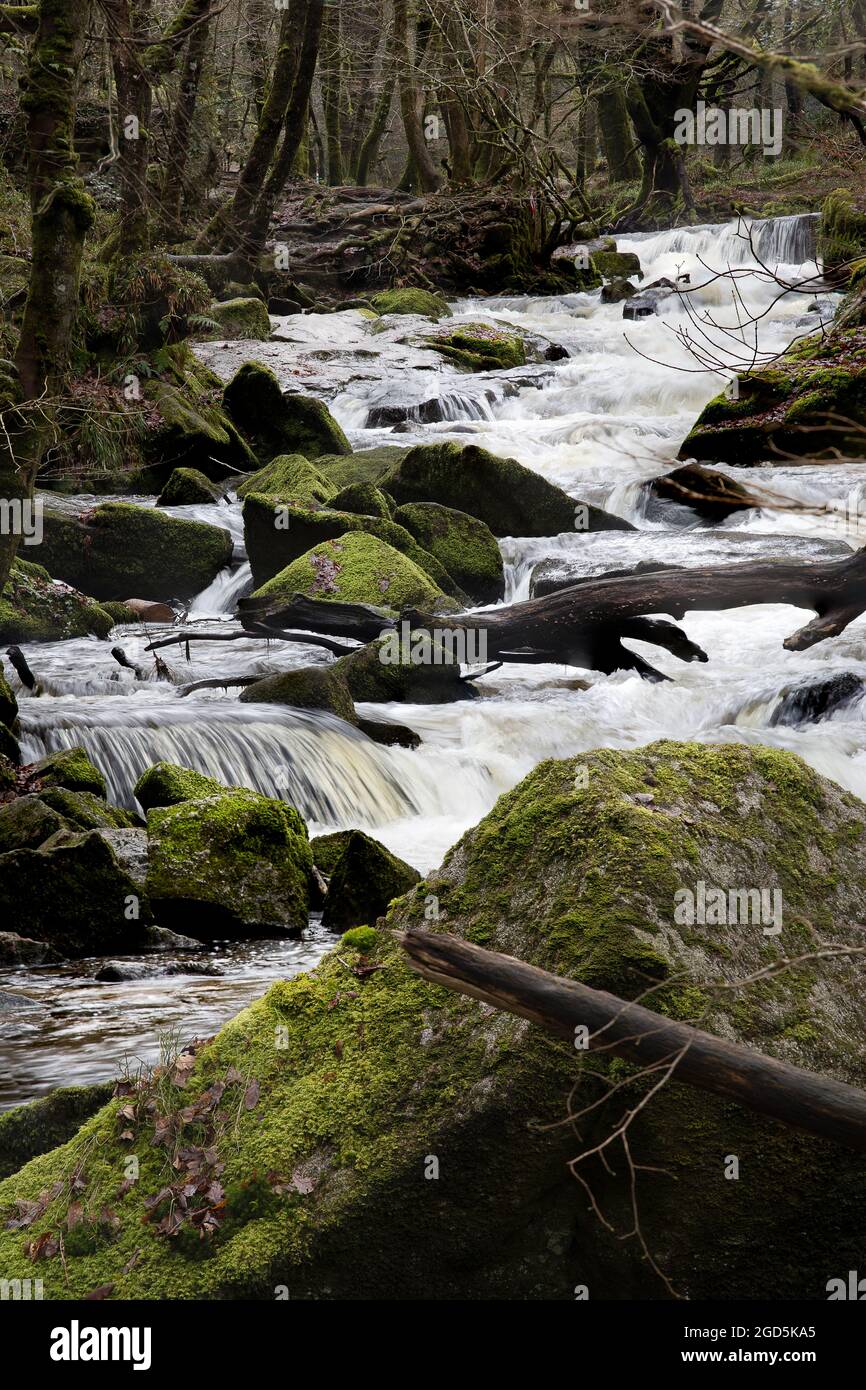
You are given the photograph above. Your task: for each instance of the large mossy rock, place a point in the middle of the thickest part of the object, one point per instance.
(361, 1082)
(305, 687)
(275, 535)
(425, 303)
(84, 810)
(291, 480)
(27, 822)
(842, 237)
(365, 499)
(479, 347)
(364, 880)
(34, 608)
(235, 864)
(465, 546)
(70, 768)
(72, 893)
(278, 423)
(193, 432)
(510, 499)
(187, 486)
(29, 1130)
(366, 466)
(168, 784)
(614, 265)
(357, 568)
(240, 318)
(372, 675)
(118, 548)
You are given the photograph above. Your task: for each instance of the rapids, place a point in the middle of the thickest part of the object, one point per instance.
(599, 423)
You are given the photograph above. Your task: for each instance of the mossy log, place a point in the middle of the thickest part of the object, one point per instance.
(817, 1104)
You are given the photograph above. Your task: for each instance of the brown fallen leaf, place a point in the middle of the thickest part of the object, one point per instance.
(96, 1295)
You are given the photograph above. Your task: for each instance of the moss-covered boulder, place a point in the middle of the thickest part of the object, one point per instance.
(479, 347)
(70, 768)
(86, 810)
(72, 893)
(307, 687)
(237, 864)
(193, 431)
(292, 480)
(365, 499)
(464, 545)
(240, 318)
(118, 548)
(807, 402)
(278, 423)
(364, 880)
(27, 822)
(327, 850)
(842, 237)
(275, 535)
(168, 784)
(613, 265)
(360, 1082)
(615, 291)
(356, 568)
(425, 303)
(370, 677)
(187, 486)
(510, 499)
(29, 1130)
(366, 466)
(33, 608)
(8, 702)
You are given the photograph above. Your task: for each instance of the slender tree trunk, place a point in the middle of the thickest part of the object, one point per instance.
(616, 133)
(331, 78)
(258, 13)
(62, 213)
(410, 101)
(369, 151)
(184, 112)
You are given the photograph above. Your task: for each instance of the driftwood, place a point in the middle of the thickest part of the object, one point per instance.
(799, 1098)
(585, 624)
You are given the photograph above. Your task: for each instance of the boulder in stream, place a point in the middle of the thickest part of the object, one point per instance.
(292, 480)
(118, 547)
(124, 971)
(365, 499)
(233, 865)
(169, 784)
(703, 490)
(424, 303)
(357, 568)
(187, 486)
(479, 347)
(240, 318)
(70, 768)
(304, 687)
(807, 704)
(434, 682)
(577, 870)
(510, 499)
(462, 543)
(23, 950)
(29, 1130)
(364, 880)
(36, 608)
(278, 423)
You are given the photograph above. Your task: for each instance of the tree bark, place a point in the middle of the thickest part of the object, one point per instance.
(184, 113)
(331, 78)
(616, 133)
(817, 1104)
(410, 102)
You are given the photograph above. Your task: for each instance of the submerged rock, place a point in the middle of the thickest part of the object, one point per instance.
(810, 703)
(187, 486)
(364, 879)
(118, 971)
(510, 499)
(703, 490)
(118, 547)
(576, 871)
(237, 864)
(278, 423)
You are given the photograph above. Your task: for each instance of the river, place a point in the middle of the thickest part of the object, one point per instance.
(600, 423)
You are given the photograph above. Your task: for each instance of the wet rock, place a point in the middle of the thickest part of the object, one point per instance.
(366, 466)
(240, 318)
(168, 784)
(510, 499)
(72, 893)
(424, 303)
(365, 499)
(617, 265)
(129, 847)
(327, 850)
(390, 735)
(809, 703)
(70, 768)
(308, 687)
(479, 347)
(15, 1003)
(118, 546)
(23, 950)
(647, 300)
(147, 611)
(277, 423)
(26, 823)
(550, 576)
(292, 480)
(703, 490)
(465, 546)
(8, 702)
(194, 433)
(356, 568)
(29, 1130)
(84, 810)
(118, 971)
(36, 608)
(615, 291)
(234, 865)
(161, 939)
(187, 486)
(371, 679)
(363, 882)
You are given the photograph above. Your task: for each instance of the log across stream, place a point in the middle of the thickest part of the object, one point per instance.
(600, 423)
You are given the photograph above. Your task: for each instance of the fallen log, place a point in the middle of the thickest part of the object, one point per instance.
(799, 1098)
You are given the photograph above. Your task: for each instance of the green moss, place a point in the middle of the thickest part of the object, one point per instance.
(411, 301)
(239, 859)
(239, 318)
(365, 879)
(28, 1130)
(277, 423)
(356, 568)
(364, 498)
(186, 486)
(70, 768)
(477, 347)
(371, 679)
(616, 264)
(309, 687)
(842, 235)
(86, 810)
(366, 466)
(465, 546)
(33, 609)
(363, 939)
(169, 784)
(290, 479)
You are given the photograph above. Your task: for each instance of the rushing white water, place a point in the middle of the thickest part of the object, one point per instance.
(600, 423)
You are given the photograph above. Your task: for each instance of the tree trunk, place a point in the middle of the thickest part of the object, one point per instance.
(331, 78)
(184, 112)
(616, 133)
(129, 30)
(369, 151)
(62, 213)
(410, 102)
